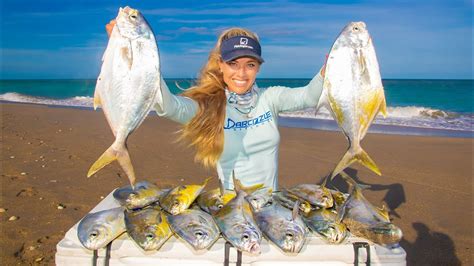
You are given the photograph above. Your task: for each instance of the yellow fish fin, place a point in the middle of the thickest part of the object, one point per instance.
(97, 102)
(238, 185)
(384, 212)
(206, 181)
(351, 156)
(383, 106)
(110, 155)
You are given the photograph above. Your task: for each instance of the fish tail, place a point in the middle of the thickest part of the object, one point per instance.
(365, 160)
(351, 156)
(111, 154)
(346, 160)
(239, 187)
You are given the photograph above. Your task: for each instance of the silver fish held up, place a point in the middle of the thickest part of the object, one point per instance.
(148, 227)
(98, 229)
(143, 194)
(283, 227)
(128, 83)
(237, 224)
(196, 227)
(365, 220)
(353, 91)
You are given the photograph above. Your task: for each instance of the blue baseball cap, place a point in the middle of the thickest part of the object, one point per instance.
(240, 46)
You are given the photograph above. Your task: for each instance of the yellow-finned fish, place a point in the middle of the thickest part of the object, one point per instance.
(148, 227)
(353, 91)
(127, 85)
(236, 222)
(365, 220)
(213, 200)
(324, 222)
(181, 197)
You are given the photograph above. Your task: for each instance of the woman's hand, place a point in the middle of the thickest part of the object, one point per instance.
(110, 26)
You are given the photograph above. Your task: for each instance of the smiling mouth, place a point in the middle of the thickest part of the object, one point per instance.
(239, 82)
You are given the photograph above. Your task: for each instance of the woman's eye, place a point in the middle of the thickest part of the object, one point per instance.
(252, 65)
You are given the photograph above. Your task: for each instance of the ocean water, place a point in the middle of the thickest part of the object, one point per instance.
(415, 107)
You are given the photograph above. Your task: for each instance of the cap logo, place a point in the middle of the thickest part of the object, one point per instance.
(243, 43)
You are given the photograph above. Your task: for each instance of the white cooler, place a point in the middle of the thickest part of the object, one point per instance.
(124, 251)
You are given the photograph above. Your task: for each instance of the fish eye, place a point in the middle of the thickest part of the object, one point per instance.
(289, 235)
(133, 16)
(355, 28)
(245, 236)
(176, 203)
(149, 236)
(93, 234)
(220, 206)
(198, 234)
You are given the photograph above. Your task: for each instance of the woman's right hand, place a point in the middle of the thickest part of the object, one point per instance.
(110, 26)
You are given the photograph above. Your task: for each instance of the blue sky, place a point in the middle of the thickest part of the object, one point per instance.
(66, 39)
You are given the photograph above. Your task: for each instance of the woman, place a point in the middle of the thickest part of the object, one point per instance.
(231, 122)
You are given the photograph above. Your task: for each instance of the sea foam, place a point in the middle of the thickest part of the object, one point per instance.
(412, 116)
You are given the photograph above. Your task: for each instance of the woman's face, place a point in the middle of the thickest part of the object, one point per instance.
(239, 74)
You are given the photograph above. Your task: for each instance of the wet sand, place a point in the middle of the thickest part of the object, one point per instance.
(46, 152)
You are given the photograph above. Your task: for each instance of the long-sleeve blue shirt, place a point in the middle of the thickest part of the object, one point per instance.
(251, 141)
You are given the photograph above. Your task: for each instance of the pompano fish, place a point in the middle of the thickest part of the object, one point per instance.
(127, 85)
(213, 200)
(353, 91)
(316, 195)
(180, 198)
(148, 227)
(284, 227)
(98, 229)
(196, 227)
(260, 198)
(323, 222)
(143, 194)
(288, 201)
(236, 222)
(365, 220)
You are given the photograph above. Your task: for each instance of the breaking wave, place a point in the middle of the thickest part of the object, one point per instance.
(412, 116)
(78, 101)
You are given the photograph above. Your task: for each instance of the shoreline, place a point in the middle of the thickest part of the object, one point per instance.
(46, 152)
(322, 124)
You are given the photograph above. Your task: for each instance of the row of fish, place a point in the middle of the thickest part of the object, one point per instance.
(151, 215)
(129, 83)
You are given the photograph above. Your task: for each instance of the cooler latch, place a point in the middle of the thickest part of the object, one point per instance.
(358, 245)
(227, 252)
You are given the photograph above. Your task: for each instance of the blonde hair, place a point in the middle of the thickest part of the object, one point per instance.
(205, 132)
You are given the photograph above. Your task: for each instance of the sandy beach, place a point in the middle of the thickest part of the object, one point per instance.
(46, 152)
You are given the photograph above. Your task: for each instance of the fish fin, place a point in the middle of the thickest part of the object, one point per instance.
(206, 181)
(383, 107)
(363, 158)
(110, 155)
(238, 185)
(221, 187)
(356, 187)
(295, 211)
(340, 213)
(97, 102)
(359, 155)
(384, 212)
(347, 159)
